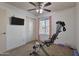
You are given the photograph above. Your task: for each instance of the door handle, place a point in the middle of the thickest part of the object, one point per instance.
(4, 33)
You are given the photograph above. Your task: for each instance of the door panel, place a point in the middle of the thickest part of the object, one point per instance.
(31, 29)
(2, 30)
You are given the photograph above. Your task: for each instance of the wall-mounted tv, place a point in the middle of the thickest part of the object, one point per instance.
(17, 21)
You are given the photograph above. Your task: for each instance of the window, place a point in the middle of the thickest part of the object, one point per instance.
(44, 26)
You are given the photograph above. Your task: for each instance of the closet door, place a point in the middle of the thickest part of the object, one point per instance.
(3, 21)
(30, 28)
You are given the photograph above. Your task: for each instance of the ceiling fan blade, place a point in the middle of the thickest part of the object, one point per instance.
(32, 4)
(31, 9)
(47, 4)
(47, 10)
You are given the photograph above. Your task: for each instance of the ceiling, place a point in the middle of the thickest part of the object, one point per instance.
(56, 6)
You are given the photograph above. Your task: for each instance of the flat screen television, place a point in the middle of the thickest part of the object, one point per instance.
(17, 21)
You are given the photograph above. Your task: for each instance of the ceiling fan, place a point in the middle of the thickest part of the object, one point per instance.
(39, 6)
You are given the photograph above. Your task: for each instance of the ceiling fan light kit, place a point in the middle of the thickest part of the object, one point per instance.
(39, 10)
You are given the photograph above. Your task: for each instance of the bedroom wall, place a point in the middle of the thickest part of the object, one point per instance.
(16, 35)
(77, 26)
(68, 16)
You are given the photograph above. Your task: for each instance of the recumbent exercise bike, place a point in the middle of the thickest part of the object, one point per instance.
(47, 43)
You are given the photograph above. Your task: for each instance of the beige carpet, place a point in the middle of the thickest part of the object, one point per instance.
(53, 50)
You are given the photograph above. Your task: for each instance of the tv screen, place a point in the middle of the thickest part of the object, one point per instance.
(17, 21)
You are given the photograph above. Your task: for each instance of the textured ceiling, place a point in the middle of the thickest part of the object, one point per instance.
(56, 6)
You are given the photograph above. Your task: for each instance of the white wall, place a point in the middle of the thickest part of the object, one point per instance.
(77, 26)
(68, 16)
(16, 35)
